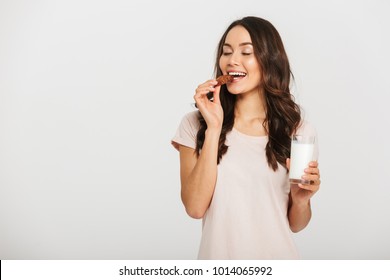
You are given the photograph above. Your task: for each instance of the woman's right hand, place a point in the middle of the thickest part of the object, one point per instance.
(211, 111)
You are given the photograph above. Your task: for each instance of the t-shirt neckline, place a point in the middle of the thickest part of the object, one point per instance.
(254, 137)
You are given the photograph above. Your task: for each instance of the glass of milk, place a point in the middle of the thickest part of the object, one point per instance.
(302, 152)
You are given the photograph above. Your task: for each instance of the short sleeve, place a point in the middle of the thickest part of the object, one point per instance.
(187, 130)
(308, 129)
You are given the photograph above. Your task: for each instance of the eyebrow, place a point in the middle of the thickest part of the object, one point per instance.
(240, 45)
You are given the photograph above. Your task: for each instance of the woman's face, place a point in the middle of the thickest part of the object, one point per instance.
(238, 59)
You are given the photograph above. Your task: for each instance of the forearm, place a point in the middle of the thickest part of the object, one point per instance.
(299, 216)
(198, 188)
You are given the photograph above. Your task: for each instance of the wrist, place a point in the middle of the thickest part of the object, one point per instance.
(301, 205)
(213, 132)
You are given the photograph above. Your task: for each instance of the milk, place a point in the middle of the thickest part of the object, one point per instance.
(301, 155)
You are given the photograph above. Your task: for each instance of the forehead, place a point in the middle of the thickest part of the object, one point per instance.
(238, 35)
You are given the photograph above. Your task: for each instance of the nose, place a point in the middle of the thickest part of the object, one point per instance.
(234, 59)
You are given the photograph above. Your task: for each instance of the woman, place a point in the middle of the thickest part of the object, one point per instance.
(234, 151)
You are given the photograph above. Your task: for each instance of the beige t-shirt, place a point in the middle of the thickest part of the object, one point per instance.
(247, 217)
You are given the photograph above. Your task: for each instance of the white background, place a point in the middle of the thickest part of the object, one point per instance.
(91, 93)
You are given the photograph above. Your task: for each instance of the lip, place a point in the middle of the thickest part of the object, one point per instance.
(236, 78)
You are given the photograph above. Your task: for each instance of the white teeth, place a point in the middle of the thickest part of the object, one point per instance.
(237, 74)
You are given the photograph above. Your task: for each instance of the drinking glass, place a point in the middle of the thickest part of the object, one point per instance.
(302, 152)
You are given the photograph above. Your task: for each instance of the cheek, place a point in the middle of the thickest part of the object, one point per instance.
(221, 62)
(253, 65)
(254, 69)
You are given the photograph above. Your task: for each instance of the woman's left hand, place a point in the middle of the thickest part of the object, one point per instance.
(301, 193)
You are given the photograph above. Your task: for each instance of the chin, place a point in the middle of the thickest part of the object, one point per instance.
(234, 91)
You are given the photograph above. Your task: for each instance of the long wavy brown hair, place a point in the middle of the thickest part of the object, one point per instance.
(283, 115)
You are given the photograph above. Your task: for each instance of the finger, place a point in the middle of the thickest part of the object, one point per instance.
(202, 92)
(288, 163)
(313, 164)
(204, 88)
(313, 178)
(312, 171)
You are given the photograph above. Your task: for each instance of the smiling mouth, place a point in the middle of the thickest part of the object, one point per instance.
(237, 75)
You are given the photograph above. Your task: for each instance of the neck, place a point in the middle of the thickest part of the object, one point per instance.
(250, 107)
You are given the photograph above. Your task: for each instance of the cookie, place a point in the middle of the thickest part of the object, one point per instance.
(224, 79)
